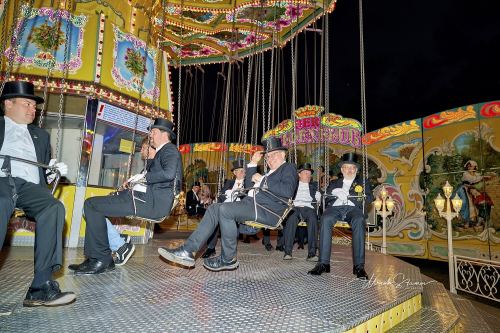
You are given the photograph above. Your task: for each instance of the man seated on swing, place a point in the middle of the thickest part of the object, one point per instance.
(151, 197)
(24, 186)
(346, 197)
(280, 180)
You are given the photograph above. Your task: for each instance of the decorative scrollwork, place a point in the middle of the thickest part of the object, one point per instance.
(477, 276)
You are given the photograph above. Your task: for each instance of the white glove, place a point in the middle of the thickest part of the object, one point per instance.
(61, 167)
(136, 178)
(340, 194)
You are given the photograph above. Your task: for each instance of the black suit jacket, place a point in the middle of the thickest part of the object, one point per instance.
(282, 183)
(192, 203)
(358, 202)
(41, 140)
(164, 170)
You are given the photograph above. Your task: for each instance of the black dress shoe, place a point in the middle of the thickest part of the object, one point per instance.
(319, 269)
(74, 267)
(360, 273)
(217, 264)
(208, 253)
(95, 267)
(280, 248)
(177, 255)
(48, 294)
(268, 247)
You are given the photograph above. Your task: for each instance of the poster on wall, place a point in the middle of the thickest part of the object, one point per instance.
(462, 150)
(134, 67)
(48, 39)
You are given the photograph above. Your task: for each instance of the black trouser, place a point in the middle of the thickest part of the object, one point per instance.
(37, 202)
(309, 215)
(280, 241)
(352, 215)
(96, 210)
(225, 215)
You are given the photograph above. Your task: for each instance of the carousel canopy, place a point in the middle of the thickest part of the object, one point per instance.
(209, 31)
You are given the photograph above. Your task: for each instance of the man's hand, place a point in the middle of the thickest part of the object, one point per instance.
(340, 194)
(61, 166)
(256, 177)
(256, 157)
(136, 178)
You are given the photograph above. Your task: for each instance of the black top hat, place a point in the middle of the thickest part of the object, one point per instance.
(349, 158)
(164, 125)
(272, 144)
(306, 166)
(196, 184)
(238, 164)
(22, 89)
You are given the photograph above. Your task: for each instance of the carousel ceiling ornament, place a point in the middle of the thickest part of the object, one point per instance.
(210, 31)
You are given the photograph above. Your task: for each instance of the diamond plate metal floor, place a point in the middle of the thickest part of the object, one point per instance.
(265, 294)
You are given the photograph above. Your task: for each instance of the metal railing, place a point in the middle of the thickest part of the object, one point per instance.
(479, 277)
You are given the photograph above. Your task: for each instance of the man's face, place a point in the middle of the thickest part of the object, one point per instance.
(349, 171)
(196, 189)
(305, 176)
(20, 110)
(275, 159)
(158, 137)
(239, 173)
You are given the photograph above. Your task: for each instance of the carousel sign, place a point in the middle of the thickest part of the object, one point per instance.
(312, 127)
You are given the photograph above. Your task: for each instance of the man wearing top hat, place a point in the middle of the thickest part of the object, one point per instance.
(230, 187)
(346, 197)
(26, 188)
(281, 180)
(193, 203)
(305, 202)
(153, 196)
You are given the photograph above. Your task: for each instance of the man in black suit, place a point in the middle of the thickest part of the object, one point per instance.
(193, 204)
(281, 180)
(26, 188)
(305, 203)
(226, 195)
(347, 196)
(152, 196)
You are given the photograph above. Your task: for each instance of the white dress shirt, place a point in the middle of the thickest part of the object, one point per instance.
(18, 143)
(303, 197)
(251, 193)
(345, 186)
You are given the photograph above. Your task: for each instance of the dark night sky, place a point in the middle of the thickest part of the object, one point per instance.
(420, 58)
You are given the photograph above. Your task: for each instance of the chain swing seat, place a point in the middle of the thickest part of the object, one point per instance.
(7, 171)
(148, 219)
(278, 225)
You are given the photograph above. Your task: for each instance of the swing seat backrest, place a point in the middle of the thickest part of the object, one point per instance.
(281, 217)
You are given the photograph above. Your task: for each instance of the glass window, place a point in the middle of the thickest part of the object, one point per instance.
(110, 155)
(70, 142)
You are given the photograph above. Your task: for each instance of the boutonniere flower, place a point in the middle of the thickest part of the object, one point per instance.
(358, 189)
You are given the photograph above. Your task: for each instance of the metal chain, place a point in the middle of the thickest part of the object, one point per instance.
(271, 84)
(14, 40)
(247, 94)
(222, 173)
(67, 54)
(49, 71)
(262, 95)
(363, 95)
(294, 72)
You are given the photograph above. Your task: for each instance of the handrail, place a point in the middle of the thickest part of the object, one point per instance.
(52, 168)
